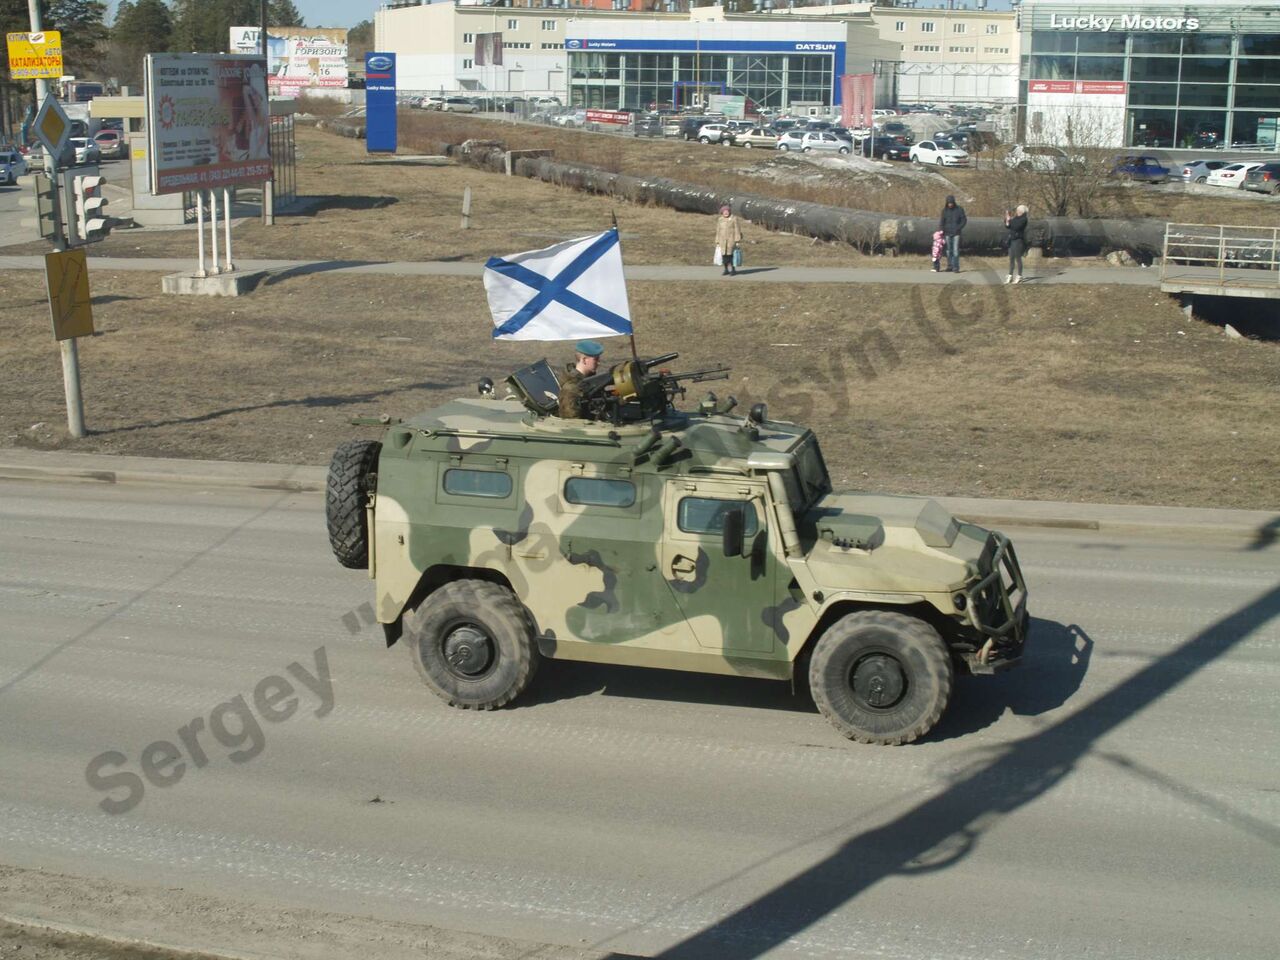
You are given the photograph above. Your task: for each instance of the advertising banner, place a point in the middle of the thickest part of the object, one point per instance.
(618, 117)
(488, 50)
(857, 99)
(35, 56)
(380, 102)
(298, 57)
(728, 105)
(207, 121)
(1113, 87)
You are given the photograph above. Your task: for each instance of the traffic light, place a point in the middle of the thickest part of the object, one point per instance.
(90, 223)
(43, 203)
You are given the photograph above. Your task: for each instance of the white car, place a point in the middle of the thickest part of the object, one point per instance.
(86, 150)
(1040, 159)
(1232, 175)
(458, 105)
(941, 153)
(574, 118)
(431, 103)
(720, 133)
(16, 163)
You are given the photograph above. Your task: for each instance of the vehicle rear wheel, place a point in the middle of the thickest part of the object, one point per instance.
(915, 158)
(1202, 179)
(783, 147)
(346, 494)
(472, 644)
(806, 149)
(881, 677)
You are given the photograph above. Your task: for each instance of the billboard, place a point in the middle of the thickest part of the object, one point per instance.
(35, 56)
(488, 50)
(727, 104)
(298, 57)
(207, 121)
(857, 99)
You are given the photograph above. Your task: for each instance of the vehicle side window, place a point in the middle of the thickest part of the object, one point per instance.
(706, 515)
(477, 483)
(600, 492)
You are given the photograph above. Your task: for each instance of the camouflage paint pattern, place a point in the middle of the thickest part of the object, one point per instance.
(625, 584)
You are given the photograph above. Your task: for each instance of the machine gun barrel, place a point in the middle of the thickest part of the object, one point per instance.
(665, 358)
(700, 376)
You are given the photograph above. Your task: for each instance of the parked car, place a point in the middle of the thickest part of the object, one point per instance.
(431, 103)
(761, 137)
(457, 105)
(648, 126)
(86, 150)
(1137, 167)
(1232, 175)
(689, 126)
(1197, 171)
(546, 103)
(1040, 159)
(740, 126)
(35, 157)
(111, 144)
(790, 140)
(886, 148)
(898, 130)
(570, 118)
(941, 153)
(783, 124)
(824, 141)
(1263, 179)
(720, 133)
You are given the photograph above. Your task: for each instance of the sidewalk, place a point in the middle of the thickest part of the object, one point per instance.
(1095, 276)
(1259, 527)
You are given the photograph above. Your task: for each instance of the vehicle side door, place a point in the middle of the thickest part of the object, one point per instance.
(728, 601)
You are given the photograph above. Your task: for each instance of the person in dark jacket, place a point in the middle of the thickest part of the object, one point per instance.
(952, 224)
(1016, 225)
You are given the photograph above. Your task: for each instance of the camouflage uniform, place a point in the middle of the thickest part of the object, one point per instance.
(572, 406)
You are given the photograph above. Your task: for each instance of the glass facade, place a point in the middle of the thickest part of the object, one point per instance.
(1184, 90)
(641, 81)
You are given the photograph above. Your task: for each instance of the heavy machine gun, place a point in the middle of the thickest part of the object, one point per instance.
(640, 389)
(625, 393)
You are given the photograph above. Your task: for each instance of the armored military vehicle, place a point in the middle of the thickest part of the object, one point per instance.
(498, 534)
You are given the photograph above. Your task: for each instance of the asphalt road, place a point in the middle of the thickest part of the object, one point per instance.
(1117, 798)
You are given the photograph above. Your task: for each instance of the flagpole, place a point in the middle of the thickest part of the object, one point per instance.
(635, 355)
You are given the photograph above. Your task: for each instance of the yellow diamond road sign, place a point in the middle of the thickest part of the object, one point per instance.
(52, 127)
(35, 56)
(67, 274)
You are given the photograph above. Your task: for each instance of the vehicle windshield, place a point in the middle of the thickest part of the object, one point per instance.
(945, 144)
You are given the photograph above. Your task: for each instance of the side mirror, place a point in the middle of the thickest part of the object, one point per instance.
(735, 522)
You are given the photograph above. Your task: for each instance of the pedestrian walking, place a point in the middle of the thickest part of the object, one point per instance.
(728, 241)
(939, 245)
(951, 223)
(1016, 225)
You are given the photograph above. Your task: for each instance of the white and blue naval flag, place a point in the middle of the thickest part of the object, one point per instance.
(571, 291)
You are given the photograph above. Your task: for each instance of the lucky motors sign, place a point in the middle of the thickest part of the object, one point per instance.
(207, 121)
(1095, 23)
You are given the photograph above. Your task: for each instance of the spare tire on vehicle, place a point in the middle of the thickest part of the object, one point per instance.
(345, 497)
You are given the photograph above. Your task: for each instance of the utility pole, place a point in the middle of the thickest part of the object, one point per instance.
(70, 355)
(268, 186)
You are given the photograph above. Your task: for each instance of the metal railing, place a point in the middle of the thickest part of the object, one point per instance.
(1221, 253)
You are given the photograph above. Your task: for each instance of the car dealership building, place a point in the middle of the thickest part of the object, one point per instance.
(1150, 74)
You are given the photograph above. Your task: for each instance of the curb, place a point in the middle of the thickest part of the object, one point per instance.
(1261, 527)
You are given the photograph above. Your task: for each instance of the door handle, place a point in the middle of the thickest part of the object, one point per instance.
(683, 567)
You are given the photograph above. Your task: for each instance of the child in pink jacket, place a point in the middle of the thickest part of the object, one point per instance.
(939, 243)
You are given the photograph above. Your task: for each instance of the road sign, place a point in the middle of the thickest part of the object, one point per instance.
(67, 274)
(52, 128)
(35, 56)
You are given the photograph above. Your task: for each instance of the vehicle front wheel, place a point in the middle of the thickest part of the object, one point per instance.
(747, 144)
(472, 644)
(843, 150)
(1201, 179)
(881, 677)
(704, 139)
(806, 149)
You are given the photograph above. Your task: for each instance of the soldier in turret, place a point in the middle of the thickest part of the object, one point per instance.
(587, 354)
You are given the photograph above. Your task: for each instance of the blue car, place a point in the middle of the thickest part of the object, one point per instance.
(1136, 167)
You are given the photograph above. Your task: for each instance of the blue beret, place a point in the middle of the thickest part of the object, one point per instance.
(589, 348)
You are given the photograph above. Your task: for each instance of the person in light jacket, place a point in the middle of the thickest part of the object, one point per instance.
(728, 237)
(951, 223)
